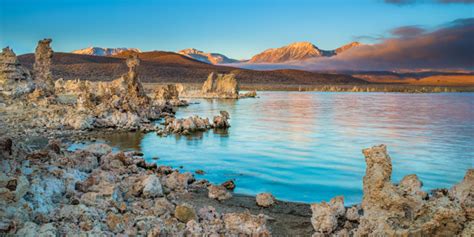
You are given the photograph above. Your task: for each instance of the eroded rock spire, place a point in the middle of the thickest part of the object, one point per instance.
(42, 67)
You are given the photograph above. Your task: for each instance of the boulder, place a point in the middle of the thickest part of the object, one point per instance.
(185, 213)
(148, 186)
(265, 199)
(218, 192)
(325, 215)
(245, 224)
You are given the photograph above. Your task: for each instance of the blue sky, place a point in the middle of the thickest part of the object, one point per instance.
(238, 29)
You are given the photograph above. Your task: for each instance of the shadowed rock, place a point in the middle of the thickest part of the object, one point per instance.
(42, 66)
(15, 80)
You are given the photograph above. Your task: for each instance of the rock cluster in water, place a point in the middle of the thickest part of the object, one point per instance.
(55, 192)
(221, 86)
(404, 209)
(83, 105)
(193, 124)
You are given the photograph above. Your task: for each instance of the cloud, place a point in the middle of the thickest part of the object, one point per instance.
(408, 2)
(451, 46)
(407, 31)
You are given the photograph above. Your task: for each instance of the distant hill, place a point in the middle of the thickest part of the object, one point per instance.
(211, 58)
(297, 52)
(98, 51)
(169, 67)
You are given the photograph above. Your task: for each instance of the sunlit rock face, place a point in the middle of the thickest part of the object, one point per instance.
(298, 51)
(98, 51)
(15, 80)
(221, 86)
(211, 58)
(42, 66)
(402, 209)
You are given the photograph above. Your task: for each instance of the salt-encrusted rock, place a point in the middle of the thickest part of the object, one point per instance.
(218, 192)
(167, 92)
(208, 213)
(12, 189)
(250, 94)
(403, 209)
(245, 224)
(220, 86)
(265, 199)
(464, 192)
(163, 206)
(178, 181)
(151, 187)
(353, 213)
(325, 215)
(185, 213)
(42, 67)
(15, 80)
(98, 149)
(193, 228)
(222, 120)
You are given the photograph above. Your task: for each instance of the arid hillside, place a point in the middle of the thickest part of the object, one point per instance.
(159, 66)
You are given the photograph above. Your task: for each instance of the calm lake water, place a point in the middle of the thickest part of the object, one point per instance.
(306, 147)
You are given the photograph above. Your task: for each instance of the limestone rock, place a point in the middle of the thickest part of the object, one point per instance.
(218, 192)
(265, 199)
(245, 224)
(178, 181)
(404, 209)
(15, 80)
(152, 187)
(185, 213)
(325, 215)
(221, 86)
(167, 92)
(222, 120)
(42, 66)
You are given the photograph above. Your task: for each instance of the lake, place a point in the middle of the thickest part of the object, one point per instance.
(306, 146)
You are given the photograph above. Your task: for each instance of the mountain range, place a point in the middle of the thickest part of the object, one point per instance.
(170, 67)
(211, 58)
(298, 51)
(98, 51)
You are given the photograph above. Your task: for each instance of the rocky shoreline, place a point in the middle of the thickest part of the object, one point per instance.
(47, 190)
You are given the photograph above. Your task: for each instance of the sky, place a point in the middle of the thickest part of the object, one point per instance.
(236, 28)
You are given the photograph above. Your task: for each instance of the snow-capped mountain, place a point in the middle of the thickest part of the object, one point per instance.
(211, 58)
(297, 52)
(98, 51)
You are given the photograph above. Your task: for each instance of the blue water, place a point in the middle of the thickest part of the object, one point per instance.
(306, 146)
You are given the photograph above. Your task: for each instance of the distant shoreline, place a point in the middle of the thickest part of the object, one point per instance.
(397, 88)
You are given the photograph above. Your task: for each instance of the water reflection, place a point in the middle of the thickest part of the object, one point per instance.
(307, 146)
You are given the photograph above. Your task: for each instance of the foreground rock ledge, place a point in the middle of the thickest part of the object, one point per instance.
(402, 209)
(95, 192)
